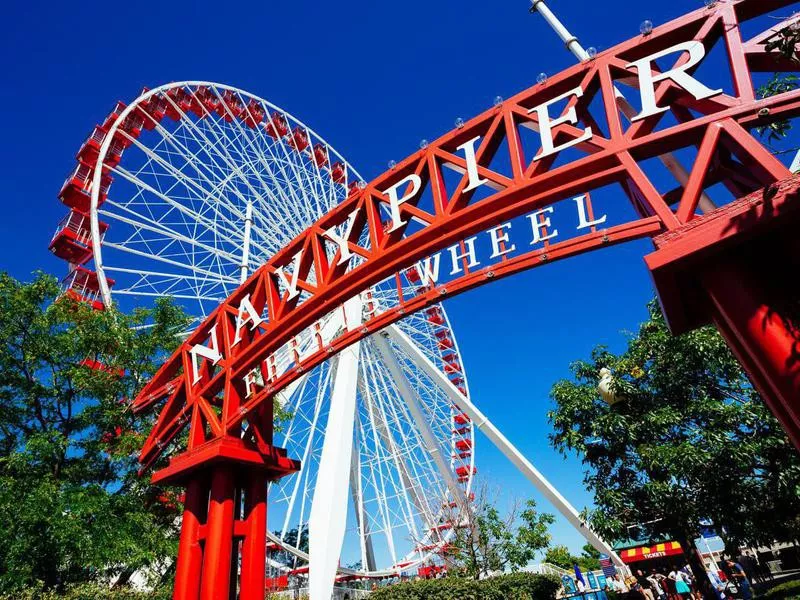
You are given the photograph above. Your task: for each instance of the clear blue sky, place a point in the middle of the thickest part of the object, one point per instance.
(372, 78)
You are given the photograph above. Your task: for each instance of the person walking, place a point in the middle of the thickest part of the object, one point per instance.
(682, 588)
(669, 588)
(740, 579)
(748, 565)
(645, 586)
(654, 579)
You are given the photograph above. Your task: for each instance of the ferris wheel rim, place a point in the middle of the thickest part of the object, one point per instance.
(97, 174)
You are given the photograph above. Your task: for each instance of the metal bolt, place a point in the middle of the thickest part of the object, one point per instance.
(543, 257)
(764, 112)
(489, 274)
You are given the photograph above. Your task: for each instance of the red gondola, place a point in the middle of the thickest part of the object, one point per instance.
(72, 240)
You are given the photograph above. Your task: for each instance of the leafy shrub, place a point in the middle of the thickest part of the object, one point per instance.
(513, 586)
(89, 591)
(790, 589)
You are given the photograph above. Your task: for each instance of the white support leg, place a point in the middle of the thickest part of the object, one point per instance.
(499, 440)
(329, 507)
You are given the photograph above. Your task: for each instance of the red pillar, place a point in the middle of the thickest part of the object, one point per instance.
(219, 537)
(215, 530)
(747, 312)
(190, 554)
(735, 267)
(254, 544)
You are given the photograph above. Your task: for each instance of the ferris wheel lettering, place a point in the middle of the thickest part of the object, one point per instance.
(678, 75)
(542, 230)
(499, 236)
(546, 125)
(472, 164)
(395, 200)
(247, 312)
(468, 254)
(343, 241)
(291, 285)
(212, 354)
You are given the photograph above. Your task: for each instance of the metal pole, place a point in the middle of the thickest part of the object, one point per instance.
(573, 45)
(248, 226)
(570, 41)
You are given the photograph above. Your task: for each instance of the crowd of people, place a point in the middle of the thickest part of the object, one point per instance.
(735, 578)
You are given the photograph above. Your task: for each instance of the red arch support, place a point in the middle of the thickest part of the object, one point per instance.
(222, 379)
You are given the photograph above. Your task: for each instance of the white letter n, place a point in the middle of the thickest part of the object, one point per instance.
(211, 354)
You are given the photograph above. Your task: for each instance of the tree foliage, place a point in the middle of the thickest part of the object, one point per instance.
(777, 84)
(783, 44)
(560, 556)
(690, 440)
(485, 542)
(72, 507)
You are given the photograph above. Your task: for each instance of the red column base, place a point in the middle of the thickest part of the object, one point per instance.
(736, 268)
(225, 518)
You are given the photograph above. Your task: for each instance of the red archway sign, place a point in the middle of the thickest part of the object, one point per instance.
(427, 218)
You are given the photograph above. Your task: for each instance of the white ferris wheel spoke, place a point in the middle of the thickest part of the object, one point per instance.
(385, 449)
(378, 485)
(159, 228)
(401, 461)
(184, 210)
(383, 434)
(412, 401)
(388, 396)
(306, 453)
(357, 492)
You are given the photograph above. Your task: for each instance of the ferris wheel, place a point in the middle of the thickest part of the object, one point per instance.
(183, 193)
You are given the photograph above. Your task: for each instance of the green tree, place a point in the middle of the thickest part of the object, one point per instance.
(689, 440)
(486, 542)
(560, 556)
(72, 507)
(783, 45)
(589, 560)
